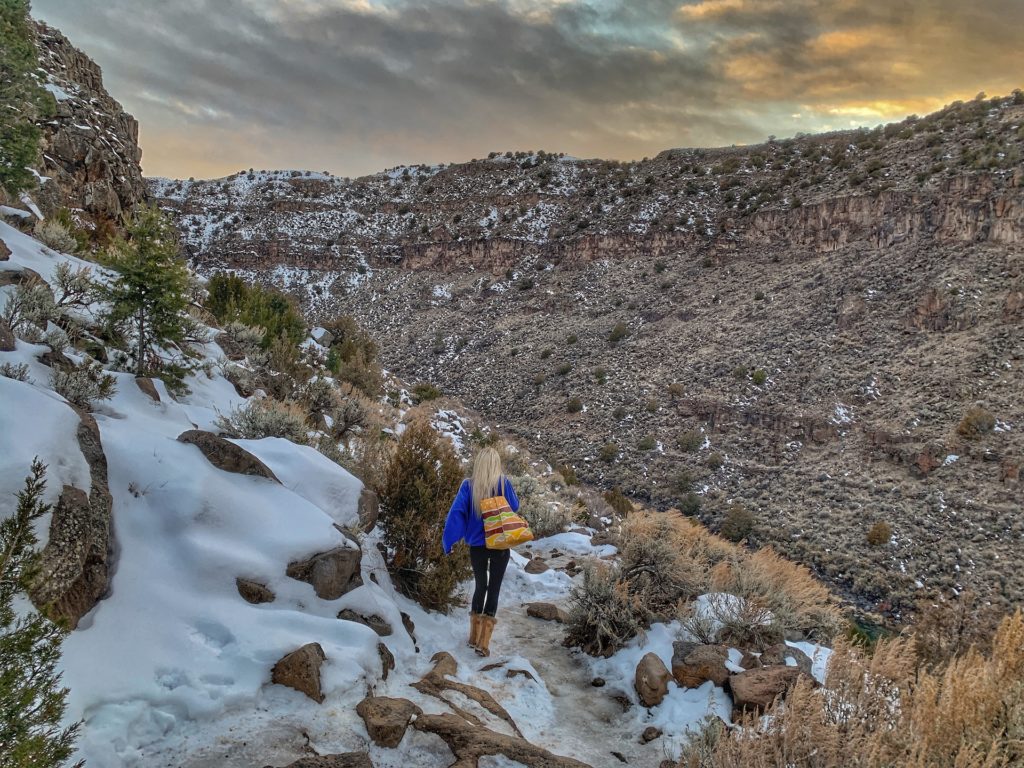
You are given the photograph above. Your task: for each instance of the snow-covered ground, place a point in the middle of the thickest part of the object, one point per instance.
(173, 666)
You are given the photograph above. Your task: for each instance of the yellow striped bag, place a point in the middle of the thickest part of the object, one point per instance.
(503, 528)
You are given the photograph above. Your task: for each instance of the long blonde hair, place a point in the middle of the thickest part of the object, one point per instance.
(486, 476)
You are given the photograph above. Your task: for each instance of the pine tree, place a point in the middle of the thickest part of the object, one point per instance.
(150, 291)
(32, 701)
(23, 99)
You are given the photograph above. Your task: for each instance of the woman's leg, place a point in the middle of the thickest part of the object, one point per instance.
(498, 563)
(478, 559)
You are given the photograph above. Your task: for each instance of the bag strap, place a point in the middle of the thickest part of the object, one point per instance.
(501, 487)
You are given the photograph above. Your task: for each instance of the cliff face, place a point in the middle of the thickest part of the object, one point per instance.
(800, 326)
(90, 149)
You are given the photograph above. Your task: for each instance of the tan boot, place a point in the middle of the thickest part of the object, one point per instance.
(474, 629)
(483, 645)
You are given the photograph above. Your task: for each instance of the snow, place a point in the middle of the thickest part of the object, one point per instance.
(58, 93)
(574, 544)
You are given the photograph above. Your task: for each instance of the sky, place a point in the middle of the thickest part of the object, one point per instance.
(356, 86)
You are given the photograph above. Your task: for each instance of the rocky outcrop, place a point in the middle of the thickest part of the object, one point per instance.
(693, 664)
(77, 562)
(5, 252)
(332, 573)
(254, 592)
(374, 622)
(148, 388)
(387, 719)
(651, 680)
(368, 509)
(7, 340)
(756, 689)
(225, 455)
(300, 670)
(90, 148)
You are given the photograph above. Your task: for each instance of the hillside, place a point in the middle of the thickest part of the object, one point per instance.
(799, 328)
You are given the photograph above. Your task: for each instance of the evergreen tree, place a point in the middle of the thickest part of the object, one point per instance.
(32, 701)
(22, 98)
(150, 291)
(421, 480)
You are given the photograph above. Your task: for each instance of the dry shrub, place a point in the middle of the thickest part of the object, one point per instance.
(976, 422)
(797, 601)
(948, 625)
(545, 518)
(737, 523)
(883, 710)
(879, 534)
(603, 617)
(267, 417)
(661, 563)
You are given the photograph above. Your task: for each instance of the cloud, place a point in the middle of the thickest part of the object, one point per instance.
(356, 85)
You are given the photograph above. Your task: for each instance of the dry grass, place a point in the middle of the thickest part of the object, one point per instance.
(884, 710)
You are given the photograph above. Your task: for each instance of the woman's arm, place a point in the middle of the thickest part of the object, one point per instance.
(455, 525)
(510, 496)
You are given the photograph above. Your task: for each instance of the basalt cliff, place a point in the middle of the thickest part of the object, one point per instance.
(820, 334)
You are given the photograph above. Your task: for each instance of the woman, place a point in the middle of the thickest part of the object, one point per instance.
(466, 523)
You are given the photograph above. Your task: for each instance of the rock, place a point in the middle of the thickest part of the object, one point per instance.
(368, 510)
(148, 388)
(23, 276)
(332, 573)
(651, 680)
(254, 592)
(546, 612)
(374, 622)
(604, 537)
(226, 455)
(756, 689)
(77, 562)
(410, 625)
(536, 565)
(54, 359)
(345, 760)
(5, 252)
(778, 654)
(693, 664)
(7, 340)
(387, 719)
(300, 670)
(598, 682)
(650, 734)
(387, 660)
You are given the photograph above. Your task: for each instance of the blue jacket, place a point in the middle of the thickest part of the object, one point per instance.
(464, 523)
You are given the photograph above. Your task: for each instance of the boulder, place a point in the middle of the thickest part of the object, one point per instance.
(387, 719)
(546, 612)
(332, 573)
(76, 564)
(374, 622)
(7, 340)
(650, 734)
(780, 654)
(693, 664)
(226, 455)
(5, 252)
(148, 388)
(300, 670)
(254, 592)
(345, 760)
(756, 689)
(368, 509)
(536, 565)
(651, 680)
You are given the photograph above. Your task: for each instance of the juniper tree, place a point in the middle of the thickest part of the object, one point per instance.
(22, 97)
(150, 290)
(32, 700)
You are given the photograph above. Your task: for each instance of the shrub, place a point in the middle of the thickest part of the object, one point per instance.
(421, 479)
(740, 372)
(546, 353)
(53, 234)
(676, 390)
(759, 377)
(239, 340)
(229, 297)
(575, 405)
(737, 523)
(618, 333)
(715, 461)
(568, 473)
(683, 481)
(690, 441)
(619, 413)
(564, 369)
(601, 376)
(30, 304)
(572, 338)
(879, 534)
(976, 422)
(609, 452)
(319, 396)
(83, 385)
(647, 443)
(602, 615)
(618, 501)
(424, 391)
(544, 517)
(353, 355)
(267, 417)
(18, 372)
(651, 405)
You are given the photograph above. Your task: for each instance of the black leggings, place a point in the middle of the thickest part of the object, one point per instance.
(488, 569)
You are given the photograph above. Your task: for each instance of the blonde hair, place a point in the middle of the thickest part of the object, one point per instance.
(486, 477)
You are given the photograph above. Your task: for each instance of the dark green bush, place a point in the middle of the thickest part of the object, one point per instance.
(737, 523)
